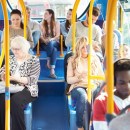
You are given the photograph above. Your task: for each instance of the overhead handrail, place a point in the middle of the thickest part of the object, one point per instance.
(7, 82)
(111, 8)
(25, 17)
(73, 23)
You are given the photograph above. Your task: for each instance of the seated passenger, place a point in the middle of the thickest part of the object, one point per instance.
(116, 44)
(77, 74)
(50, 39)
(25, 70)
(124, 51)
(121, 95)
(82, 30)
(34, 26)
(16, 27)
(65, 26)
(121, 122)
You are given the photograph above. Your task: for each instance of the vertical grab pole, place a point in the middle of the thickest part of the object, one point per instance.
(90, 43)
(111, 8)
(61, 46)
(7, 82)
(38, 50)
(74, 24)
(25, 16)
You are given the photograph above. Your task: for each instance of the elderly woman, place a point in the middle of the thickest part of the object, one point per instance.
(77, 73)
(25, 70)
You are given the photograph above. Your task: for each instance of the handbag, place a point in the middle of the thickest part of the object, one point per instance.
(14, 88)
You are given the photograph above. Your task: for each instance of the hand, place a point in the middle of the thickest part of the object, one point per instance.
(14, 78)
(46, 41)
(3, 76)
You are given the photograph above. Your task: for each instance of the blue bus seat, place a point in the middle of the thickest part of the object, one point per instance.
(28, 116)
(72, 113)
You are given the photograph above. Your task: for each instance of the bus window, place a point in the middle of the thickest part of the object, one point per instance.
(60, 7)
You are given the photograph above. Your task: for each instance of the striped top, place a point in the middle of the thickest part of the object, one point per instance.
(30, 69)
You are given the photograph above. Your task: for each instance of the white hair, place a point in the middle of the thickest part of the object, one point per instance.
(21, 43)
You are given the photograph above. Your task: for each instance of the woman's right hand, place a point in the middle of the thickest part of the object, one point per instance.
(3, 76)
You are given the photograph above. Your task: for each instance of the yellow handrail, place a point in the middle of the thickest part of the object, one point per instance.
(111, 8)
(74, 24)
(90, 42)
(38, 48)
(2, 56)
(25, 16)
(61, 46)
(7, 82)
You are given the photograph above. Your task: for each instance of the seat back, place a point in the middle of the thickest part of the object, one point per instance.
(67, 56)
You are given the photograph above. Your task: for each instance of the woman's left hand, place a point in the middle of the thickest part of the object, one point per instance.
(14, 78)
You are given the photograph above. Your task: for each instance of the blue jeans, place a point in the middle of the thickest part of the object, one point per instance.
(79, 95)
(51, 49)
(36, 36)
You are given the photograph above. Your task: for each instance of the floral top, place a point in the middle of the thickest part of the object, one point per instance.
(30, 69)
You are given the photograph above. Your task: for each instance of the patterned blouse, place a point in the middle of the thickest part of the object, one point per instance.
(30, 69)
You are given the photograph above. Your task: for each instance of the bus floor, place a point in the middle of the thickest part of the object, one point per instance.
(50, 111)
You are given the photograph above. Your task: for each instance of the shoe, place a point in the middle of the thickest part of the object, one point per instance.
(53, 76)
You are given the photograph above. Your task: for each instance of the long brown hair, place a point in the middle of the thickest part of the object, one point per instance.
(18, 12)
(68, 23)
(52, 23)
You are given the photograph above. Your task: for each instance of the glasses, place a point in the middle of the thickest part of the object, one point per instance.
(15, 49)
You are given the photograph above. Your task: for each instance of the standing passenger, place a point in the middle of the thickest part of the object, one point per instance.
(77, 73)
(50, 39)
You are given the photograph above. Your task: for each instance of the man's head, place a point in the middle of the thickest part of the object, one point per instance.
(28, 10)
(95, 14)
(122, 77)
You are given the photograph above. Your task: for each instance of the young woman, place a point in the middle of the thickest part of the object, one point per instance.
(50, 39)
(16, 27)
(65, 26)
(24, 71)
(77, 72)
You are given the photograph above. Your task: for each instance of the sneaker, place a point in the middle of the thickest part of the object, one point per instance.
(53, 76)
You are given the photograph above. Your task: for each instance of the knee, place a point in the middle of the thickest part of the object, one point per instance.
(15, 103)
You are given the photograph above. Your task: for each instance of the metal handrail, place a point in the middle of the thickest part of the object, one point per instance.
(7, 82)
(73, 20)
(111, 8)
(25, 17)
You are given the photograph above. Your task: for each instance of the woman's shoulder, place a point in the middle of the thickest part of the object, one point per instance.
(35, 58)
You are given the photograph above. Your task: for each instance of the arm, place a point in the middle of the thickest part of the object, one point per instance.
(34, 73)
(71, 78)
(57, 30)
(33, 76)
(29, 37)
(63, 29)
(36, 26)
(68, 40)
(97, 39)
(99, 112)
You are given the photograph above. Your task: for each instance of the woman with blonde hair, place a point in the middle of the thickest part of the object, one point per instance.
(77, 73)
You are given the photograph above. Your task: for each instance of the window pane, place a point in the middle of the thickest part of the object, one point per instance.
(60, 7)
